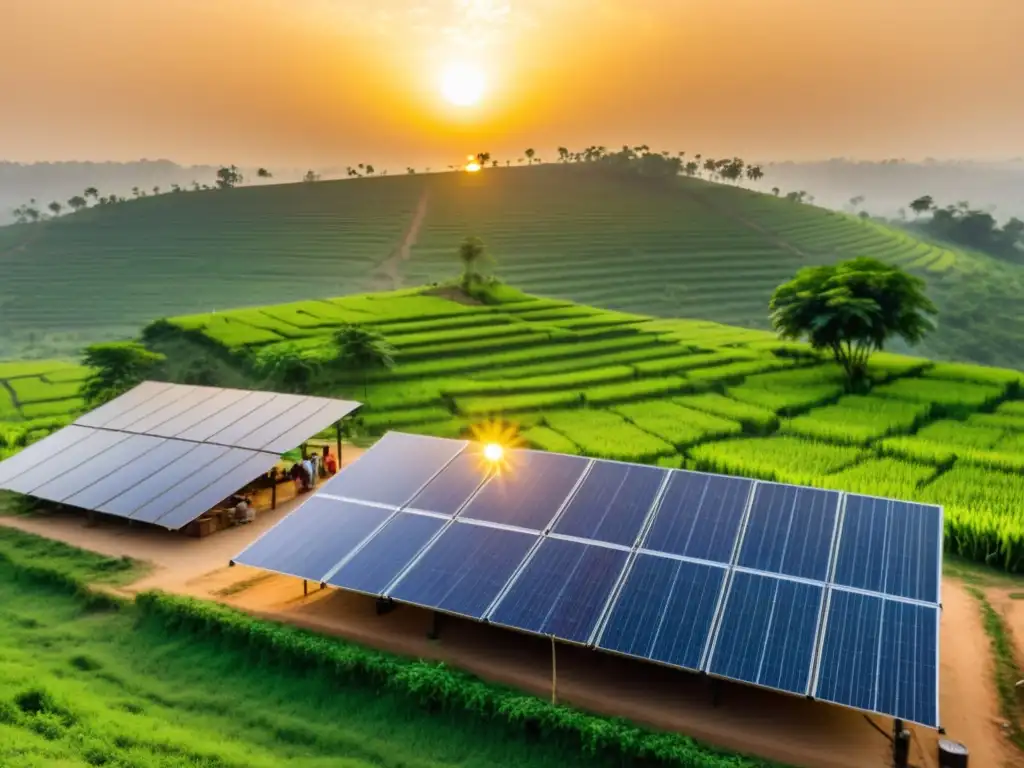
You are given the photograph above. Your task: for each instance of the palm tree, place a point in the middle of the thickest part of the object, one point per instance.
(364, 350)
(754, 173)
(563, 154)
(529, 155)
(483, 158)
(55, 207)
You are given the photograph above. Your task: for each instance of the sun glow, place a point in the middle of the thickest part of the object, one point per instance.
(493, 452)
(472, 167)
(462, 84)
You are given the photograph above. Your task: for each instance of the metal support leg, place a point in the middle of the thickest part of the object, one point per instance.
(554, 673)
(305, 587)
(273, 491)
(337, 440)
(435, 627)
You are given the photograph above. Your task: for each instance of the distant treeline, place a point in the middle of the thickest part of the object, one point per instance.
(967, 226)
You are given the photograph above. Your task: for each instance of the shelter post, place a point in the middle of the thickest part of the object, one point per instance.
(305, 587)
(273, 488)
(435, 626)
(554, 673)
(337, 440)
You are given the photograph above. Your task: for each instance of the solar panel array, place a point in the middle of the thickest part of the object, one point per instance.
(811, 592)
(165, 453)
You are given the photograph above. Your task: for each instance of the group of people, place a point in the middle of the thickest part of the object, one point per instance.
(305, 473)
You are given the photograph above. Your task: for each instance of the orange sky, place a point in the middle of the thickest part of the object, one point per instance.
(333, 82)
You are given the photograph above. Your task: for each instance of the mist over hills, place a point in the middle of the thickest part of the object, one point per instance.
(890, 185)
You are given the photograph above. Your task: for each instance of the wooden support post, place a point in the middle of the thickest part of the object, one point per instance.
(554, 673)
(435, 627)
(716, 692)
(273, 489)
(305, 587)
(322, 585)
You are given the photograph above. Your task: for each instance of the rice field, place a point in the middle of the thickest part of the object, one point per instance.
(680, 393)
(705, 250)
(36, 398)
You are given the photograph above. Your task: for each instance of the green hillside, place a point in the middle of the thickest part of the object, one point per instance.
(692, 393)
(681, 247)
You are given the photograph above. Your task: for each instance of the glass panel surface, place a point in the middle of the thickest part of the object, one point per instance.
(99, 467)
(612, 503)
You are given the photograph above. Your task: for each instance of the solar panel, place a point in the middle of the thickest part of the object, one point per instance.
(801, 590)
(529, 492)
(394, 469)
(561, 590)
(331, 412)
(699, 516)
(790, 531)
(61, 463)
(891, 547)
(35, 454)
(451, 489)
(665, 610)
(189, 400)
(379, 561)
(767, 632)
(238, 411)
(311, 541)
(166, 397)
(98, 417)
(880, 655)
(464, 569)
(612, 503)
(60, 486)
(235, 433)
(199, 414)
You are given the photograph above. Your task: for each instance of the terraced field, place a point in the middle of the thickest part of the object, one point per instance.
(683, 247)
(36, 397)
(683, 393)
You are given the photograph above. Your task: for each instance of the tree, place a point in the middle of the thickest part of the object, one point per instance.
(775, 191)
(529, 155)
(483, 158)
(92, 192)
(922, 204)
(310, 176)
(691, 168)
(369, 170)
(410, 170)
(287, 367)
(77, 203)
(754, 173)
(563, 154)
(228, 177)
(117, 367)
(55, 207)
(852, 309)
(364, 350)
(156, 190)
(472, 254)
(263, 173)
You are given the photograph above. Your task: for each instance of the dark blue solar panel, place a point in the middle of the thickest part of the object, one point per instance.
(384, 556)
(890, 546)
(465, 569)
(848, 668)
(790, 531)
(768, 631)
(699, 516)
(562, 590)
(528, 491)
(664, 611)
(908, 674)
(881, 655)
(612, 503)
(393, 470)
(453, 487)
(314, 538)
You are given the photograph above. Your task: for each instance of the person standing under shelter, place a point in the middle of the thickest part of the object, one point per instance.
(330, 463)
(307, 470)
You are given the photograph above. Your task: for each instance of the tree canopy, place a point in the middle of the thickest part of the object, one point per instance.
(852, 309)
(472, 254)
(363, 350)
(117, 367)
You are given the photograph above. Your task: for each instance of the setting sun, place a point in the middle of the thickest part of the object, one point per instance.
(462, 85)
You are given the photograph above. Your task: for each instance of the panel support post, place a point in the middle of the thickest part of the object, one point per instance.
(273, 489)
(384, 605)
(716, 692)
(305, 587)
(554, 673)
(435, 626)
(337, 440)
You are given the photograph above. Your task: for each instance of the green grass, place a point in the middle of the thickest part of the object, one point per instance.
(756, 418)
(607, 435)
(677, 424)
(786, 459)
(631, 246)
(27, 549)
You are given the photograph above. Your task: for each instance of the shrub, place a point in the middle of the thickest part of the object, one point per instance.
(607, 435)
(785, 459)
(676, 424)
(633, 390)
(752, 416)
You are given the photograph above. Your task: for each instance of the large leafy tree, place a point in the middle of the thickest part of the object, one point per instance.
(852, 309)
(228, 177)
(363, 350)
(117, 367)
(287, 367)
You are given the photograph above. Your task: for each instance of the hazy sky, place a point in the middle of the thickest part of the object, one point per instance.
(333, 82)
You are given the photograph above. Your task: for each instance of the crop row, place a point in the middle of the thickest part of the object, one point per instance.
(607, 435)
(677, 424)
(857, 419)
(947, 393)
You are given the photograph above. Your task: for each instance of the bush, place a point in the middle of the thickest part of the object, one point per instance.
(676, 424)
(433, 685)
(607, 435)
